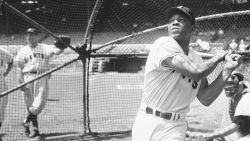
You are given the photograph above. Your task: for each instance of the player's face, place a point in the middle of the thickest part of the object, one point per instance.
(232, 86)
(179, 27)
(31, 38)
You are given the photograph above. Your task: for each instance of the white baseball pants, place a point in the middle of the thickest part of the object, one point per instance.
(148, 127)
(36, 93)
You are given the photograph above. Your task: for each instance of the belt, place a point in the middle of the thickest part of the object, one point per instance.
(168, 116)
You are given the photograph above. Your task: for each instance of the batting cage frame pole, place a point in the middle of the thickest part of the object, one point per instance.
(84, 54)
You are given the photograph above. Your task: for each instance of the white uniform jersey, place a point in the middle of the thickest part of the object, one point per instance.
(203, 44)
(244, 104)
(34, 59)
(242, 47)
(164, 88)
(233, 45)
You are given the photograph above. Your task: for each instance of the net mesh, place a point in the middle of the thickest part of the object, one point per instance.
(65, 85)
(113, 84)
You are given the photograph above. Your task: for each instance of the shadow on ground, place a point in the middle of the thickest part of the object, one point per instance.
(94, 137)
(57, 134)
(53, 137)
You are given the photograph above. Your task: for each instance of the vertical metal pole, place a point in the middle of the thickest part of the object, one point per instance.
(89, 32)
(87, 93)
(84, 95)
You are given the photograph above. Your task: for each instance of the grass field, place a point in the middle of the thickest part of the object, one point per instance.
(113, 102)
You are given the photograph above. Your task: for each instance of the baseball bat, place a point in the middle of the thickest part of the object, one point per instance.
(34, 23)
(246, 54)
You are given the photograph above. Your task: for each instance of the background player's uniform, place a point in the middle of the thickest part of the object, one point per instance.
(243, 109)
(5, 57)
(233, 45)
(165, 90)
(32, 62)
(242, 46)
(239, 107)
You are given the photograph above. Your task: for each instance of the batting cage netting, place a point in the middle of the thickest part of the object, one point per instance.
(95, 85)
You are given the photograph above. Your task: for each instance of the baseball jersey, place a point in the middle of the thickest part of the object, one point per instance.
(242, 47)
(244, 104)
(233, 102)
(203, 44)
(233, 45)
(164, 88)
(34, 59)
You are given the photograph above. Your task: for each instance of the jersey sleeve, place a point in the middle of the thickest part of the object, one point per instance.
(5, 55)
(165, 47)
(195, 56)
(49, 50)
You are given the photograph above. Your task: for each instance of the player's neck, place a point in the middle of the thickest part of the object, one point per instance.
(184, 44)
(32, 45)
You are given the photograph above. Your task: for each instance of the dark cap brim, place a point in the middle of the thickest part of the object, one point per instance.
(173, 10)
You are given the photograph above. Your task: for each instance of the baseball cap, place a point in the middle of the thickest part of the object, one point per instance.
(233, 84)
(238, 75)
(180, 9)
(32, 30)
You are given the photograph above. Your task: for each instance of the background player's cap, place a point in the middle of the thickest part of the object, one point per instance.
(183, 10)
(238, 75)
(32, 31)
